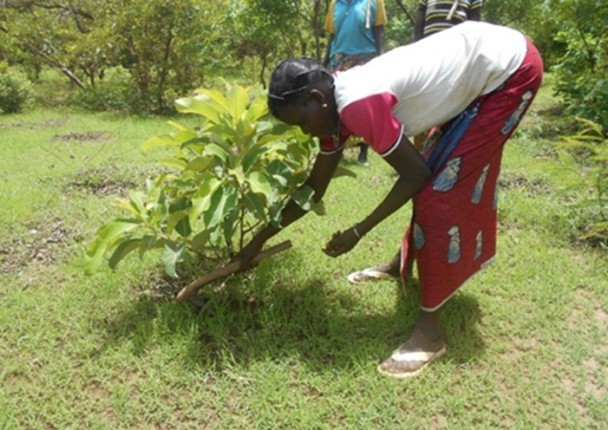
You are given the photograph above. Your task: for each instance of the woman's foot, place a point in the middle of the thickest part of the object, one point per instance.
(424, 346)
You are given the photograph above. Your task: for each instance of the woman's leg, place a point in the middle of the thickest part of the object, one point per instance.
(425, 345)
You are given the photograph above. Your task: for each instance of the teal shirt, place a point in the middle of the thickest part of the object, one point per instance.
(351, 36)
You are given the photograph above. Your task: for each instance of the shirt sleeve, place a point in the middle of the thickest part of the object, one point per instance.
(380, 13)
(329, 18)
(329, 145)
(372, 119)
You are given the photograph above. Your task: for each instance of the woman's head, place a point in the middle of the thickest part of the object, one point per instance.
(301, 93)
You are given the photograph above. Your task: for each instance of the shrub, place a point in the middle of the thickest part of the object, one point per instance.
(585, 157)
(15, 90)
(230, 176)
(114, 92)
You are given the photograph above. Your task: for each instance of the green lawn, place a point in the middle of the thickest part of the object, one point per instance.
(291, 345)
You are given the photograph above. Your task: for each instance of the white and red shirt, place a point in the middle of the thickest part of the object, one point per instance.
(412, 88)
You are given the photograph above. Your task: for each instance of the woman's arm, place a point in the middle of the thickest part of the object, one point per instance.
(413, 175)
(321, 174)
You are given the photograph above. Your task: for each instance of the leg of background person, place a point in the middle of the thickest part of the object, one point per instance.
(362, 153)
(419, 141)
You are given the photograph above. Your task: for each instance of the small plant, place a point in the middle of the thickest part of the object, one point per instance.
(586, 156)
(15, 90)
(226, 179)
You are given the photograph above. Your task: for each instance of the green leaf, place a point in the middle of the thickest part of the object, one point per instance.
(229, 223)
(123, 250)
(137, 200)
(126, 205)
(199, 240)
(237, 100)
(185, 137)
(279, 171)
(245, 130)
(198, 164)
(259, 184)
(161, 141)
(179, 222)
(202, 198)
(255, 205)
(303, 197)
(222, 201)
(217, 97)
(177, 125)
(216, 150)
(257, 109)
(200, 105)
(238, 174)
(106, 237)
(173, 253)
(174, 163)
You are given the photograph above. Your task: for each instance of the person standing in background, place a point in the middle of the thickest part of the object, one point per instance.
(356, 35)
(437, 15)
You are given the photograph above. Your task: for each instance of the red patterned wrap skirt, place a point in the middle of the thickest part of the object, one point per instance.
(452, 234)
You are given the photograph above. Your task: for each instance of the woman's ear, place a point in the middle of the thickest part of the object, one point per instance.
(318, 96)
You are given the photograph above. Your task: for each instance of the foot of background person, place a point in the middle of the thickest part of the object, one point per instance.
(424, 346)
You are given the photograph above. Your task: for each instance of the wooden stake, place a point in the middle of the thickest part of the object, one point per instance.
(230, 268)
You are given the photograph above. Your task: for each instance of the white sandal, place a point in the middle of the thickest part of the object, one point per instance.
(369, 274)
(391, 366)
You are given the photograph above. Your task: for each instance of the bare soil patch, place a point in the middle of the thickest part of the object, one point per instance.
(43, 244)
(532, 186)
(101, 182)
(84, 137)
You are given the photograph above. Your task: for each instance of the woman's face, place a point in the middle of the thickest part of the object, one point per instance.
(312, 115)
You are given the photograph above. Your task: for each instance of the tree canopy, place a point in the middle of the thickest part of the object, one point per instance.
(168, 48)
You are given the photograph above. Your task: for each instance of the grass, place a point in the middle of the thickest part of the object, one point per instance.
(291, 345)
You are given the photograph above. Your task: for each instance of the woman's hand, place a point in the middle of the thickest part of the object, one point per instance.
(342, 242)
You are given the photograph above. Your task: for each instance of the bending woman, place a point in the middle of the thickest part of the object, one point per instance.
(470, 85)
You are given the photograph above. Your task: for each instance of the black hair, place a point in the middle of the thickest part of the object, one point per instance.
(291, 77)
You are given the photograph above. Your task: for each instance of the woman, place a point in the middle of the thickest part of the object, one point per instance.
(473, 91)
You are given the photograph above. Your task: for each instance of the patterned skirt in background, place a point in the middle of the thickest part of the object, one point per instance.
(341, 62)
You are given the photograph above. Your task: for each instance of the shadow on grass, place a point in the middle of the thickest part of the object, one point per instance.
(271, 318)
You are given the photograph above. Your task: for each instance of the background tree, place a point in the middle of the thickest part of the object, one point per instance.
(582, 68)
(164, 49)
(46, 32)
